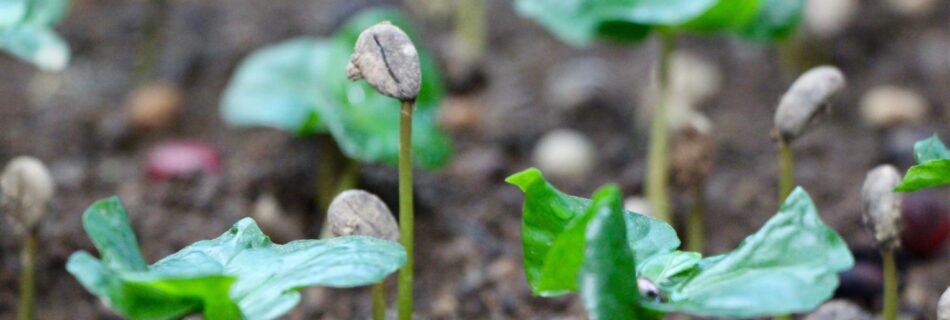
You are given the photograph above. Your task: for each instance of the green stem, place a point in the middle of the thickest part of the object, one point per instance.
(152, 34)
(786, 168)
(470, 26)
(28, 276)
(379, 300)
(786, 181)
(405, 209)
(890, 285)
(694, 224)
(658, 152)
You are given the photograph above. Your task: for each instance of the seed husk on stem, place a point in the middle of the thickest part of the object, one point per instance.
(387, 59)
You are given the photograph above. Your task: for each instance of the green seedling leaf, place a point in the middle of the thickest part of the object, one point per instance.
(553, 232)
(300, 86)
(774, 20)
(933, 168)
(661, 267)
(606, 284)
(930, 174)
(26, 32)
(579, 22)
(790, 265)
(240, 274)
(930, 149)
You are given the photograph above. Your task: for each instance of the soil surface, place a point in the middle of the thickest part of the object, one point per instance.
(468, 220)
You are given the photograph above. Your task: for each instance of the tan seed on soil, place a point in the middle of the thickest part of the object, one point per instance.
(154, 105)
(360, 213)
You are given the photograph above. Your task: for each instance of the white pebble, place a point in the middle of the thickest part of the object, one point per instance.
(564, 153)
(943, 308)
(827, 18)
(888, 106)
(638, 205)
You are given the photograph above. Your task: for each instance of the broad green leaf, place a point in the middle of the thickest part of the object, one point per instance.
(26, 32)
(240, 274)
(552, 232)
(607, 284)
(790, 265)
(933, 173)
(775, 19)
(930, 149)
(661, 267)
(933, 169)
(301, 86)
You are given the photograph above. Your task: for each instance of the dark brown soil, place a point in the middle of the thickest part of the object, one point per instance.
(468, 220)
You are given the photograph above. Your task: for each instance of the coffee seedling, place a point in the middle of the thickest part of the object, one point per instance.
(388, 60)
(357, 212)
(882, 217)
(239, 275)
(799, 108)
(26, 189)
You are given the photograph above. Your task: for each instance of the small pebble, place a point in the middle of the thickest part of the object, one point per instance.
(889, 106)
(565, 153)
(638, 205)
(828, 18)
(181, 159)
(577, 83)
(912, 8)
(839, 310)
(272, 219)
(154, 106)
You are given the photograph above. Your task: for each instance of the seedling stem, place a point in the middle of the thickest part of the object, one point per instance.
(405, 209)
(28, 276)
(786, 167)
(890, 284)
(658, 153)
(379, 300)
(694, 223)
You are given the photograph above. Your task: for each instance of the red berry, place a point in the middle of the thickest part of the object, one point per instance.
(926, 224)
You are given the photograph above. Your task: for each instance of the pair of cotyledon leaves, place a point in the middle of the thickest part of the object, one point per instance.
(239, 275)
(932, 169)
(579, 22)
(26, 32)
(300, 86)
(596, 247)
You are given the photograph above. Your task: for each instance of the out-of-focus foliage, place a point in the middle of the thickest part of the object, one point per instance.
(300, 86)
(26, 32)
(579, 22)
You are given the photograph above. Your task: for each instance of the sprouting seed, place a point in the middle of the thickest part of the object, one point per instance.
(386, 58)
(27, 189)
(882, 206)
(807, 96)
